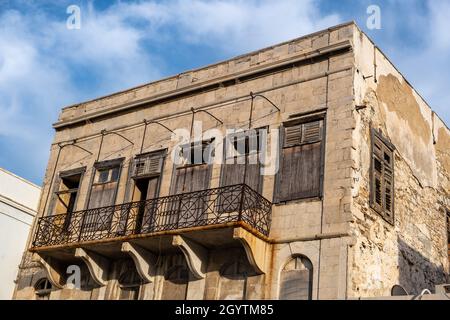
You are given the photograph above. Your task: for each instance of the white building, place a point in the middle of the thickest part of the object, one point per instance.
(19, 199)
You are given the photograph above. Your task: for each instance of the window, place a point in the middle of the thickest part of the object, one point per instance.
(43, 288)
(296, 279)
(301, 160)
(146, 173)
(176, 284)
(242, 155)
(103, 194)
(233, 280)
(193, 174)
(197, 153)
(382, 177)
(129, 282)
(149, 164)
(67, 192)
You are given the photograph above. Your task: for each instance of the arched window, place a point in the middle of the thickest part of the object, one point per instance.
(129, 282)
(176, 283)
(233, 280)
(296, 279)
(43, 288)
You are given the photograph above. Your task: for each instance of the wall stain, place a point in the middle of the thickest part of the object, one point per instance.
(399, 98)
(443, 148)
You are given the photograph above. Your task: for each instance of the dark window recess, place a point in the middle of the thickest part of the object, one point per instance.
(382, 177)
(296, 280)
(233, 280)
(242, 164)
(129, 282)
(242, 155)
(194, 174)
(175, 284)
(301, 161)
(197, 153)
(67, 194)
(146, 172)
(43, 288)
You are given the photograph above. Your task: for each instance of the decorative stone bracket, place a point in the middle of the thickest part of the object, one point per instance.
(55, 271)
(196, 255)
(256, 249)
(144, 260)
(97, 265)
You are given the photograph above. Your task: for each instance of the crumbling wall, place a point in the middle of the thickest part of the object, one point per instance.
(413, 251)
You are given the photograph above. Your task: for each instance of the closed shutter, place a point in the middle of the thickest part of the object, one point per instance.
(103, 194)
(382, 178)
(300, 171)
(233, 174)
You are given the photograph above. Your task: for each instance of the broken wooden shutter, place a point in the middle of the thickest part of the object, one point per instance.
(382, 177)
(299, 175)
(148, 165)
(234, 167)
(103, 194)
(193, 176)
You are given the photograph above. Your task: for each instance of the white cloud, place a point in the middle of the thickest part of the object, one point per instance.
(44, 66)
(233, 26)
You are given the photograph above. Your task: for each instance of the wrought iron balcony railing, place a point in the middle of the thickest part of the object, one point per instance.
(238, 203)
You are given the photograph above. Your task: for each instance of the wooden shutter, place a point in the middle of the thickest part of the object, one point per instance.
(102, 195)
(148, 165)
(382, 178)
(293, 135)
(300, 171)
(233, 174)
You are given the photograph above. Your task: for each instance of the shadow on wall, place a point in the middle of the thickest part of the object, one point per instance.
(416, 272)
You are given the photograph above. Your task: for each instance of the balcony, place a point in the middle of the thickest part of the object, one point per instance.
(231, 206)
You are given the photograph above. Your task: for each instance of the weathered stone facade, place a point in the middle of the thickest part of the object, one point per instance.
(333, 245)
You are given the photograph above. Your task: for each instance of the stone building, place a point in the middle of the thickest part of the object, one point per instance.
(336, 186)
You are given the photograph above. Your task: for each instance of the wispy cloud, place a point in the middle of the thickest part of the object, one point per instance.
(44, 66)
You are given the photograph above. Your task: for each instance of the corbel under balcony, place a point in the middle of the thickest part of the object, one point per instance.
(98, 265)
(53, 267)
(257, 250)
(144, 260)
(195, 254)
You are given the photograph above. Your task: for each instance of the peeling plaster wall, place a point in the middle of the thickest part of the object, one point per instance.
(413, 251)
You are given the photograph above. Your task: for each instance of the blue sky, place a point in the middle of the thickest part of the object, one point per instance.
(44, 66)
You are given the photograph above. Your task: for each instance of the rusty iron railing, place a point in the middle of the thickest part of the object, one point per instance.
(200, 208)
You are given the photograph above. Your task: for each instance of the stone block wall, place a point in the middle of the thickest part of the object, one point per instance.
(411, 252)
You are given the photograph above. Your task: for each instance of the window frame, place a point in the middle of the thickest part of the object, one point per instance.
(300, 120)
(102, 165)
(45, 292)
(261, 141)
(57, 186)
(386, 146)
